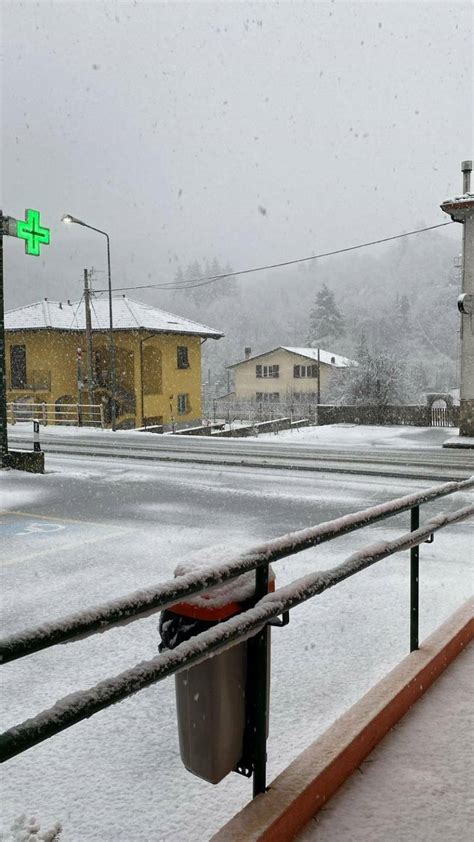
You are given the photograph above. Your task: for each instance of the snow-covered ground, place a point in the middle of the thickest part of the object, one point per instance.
(417, 784)
(330, 435)
(358, 435)
(90, 530)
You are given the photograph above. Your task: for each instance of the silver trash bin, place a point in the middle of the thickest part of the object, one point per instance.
(211, 696)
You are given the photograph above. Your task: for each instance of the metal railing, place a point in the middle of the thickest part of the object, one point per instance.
(444, 416)
(267, 609)
(253, 412)
(66, 414)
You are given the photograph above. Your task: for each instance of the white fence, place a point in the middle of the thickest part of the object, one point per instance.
(71, 414)
(443, 416)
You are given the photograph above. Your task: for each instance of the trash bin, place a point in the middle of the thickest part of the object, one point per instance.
(211, 696)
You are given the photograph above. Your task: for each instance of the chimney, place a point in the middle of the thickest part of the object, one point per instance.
(248, 353)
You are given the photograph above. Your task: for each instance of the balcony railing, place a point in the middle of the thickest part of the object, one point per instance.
(267, 609)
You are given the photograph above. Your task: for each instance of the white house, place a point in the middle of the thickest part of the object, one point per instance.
(287, 374)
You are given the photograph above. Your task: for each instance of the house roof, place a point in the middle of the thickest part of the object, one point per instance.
(326, 357)
(127, 315)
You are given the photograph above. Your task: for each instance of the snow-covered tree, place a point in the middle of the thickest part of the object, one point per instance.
(325, 320)
(204, 293)
(379, 379)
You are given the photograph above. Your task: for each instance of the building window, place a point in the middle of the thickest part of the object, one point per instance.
(268, 397)
(267, 370)
(182, 356)
(183, 404)
(305, 371)
(305, 397)
(18, 366)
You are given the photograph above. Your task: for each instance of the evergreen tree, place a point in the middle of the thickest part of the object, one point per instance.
(325, 320)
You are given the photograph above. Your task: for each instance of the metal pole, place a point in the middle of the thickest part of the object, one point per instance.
(319, 377)
(414, 581)
(3, 375)
(259, 652)
(113, 379)
(466, 426)
(89, 349)
(142, 394)
(36, 436)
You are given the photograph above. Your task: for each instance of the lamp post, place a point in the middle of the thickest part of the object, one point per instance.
(67, 218)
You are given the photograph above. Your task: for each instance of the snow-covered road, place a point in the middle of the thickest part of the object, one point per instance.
(90, 530)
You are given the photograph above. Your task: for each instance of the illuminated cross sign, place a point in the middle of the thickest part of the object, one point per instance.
(32, 232)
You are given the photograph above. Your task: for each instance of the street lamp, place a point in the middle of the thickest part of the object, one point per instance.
(68, 218)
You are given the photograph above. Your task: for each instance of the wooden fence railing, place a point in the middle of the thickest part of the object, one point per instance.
(67, 414)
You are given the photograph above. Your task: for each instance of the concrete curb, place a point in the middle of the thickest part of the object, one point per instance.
(297, 794)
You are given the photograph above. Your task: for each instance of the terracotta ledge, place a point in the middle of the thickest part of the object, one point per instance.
(297, 794)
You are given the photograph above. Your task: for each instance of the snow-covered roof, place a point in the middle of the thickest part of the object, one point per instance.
(326, 357)
(127, 315)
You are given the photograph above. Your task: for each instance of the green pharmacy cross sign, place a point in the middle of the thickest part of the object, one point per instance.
(32, 232)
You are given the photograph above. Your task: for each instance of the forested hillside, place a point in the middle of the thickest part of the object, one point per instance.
(399, 300)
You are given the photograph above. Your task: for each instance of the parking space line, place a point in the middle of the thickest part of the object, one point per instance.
(51, 517)
(63, 548)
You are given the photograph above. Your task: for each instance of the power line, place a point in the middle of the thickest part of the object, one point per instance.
(209, 279)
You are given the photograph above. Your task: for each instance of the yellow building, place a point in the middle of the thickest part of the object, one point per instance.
(285, 375)
(158, 360)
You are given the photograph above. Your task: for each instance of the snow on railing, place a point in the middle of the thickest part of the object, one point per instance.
(84, 703)
(147, 601)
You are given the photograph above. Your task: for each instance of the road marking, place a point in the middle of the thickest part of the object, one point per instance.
(36, 516)
(63, 548)
(44, 525)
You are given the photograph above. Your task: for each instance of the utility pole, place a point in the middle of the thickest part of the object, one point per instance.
(461, 209)
(319, 376)
(35, 236)
(90, 375)
(3, 375)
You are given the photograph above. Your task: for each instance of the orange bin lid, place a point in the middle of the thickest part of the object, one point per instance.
(211, 613)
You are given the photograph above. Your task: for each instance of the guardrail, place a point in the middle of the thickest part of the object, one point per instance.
(71, 414)
(266, 611)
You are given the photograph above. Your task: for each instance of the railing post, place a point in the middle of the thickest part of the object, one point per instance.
(414, 581)
(259, 652)
(102, 419)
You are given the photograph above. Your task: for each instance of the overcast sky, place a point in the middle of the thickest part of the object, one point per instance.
(253, 132)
